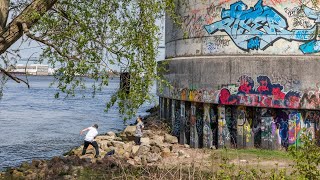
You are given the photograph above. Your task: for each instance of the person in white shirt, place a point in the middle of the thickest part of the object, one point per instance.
(90, 139)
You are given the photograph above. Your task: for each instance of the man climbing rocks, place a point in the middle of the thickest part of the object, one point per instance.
(90, 139)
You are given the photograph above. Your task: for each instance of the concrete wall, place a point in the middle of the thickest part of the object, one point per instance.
(243, 73)
(248, 27)
(268, 81)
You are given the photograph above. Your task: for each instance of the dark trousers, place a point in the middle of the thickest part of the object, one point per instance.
(94, 144)
(137, 140)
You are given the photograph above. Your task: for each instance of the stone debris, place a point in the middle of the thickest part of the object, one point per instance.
(114, 148)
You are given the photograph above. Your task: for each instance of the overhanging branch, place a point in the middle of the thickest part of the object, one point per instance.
(14, 30)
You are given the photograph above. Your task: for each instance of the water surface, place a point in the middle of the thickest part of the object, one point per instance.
(35, 125)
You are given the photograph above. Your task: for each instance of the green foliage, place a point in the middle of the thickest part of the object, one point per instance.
(307, 158)
(93, 38)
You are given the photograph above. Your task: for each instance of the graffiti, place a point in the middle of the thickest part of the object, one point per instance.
(187, 122)
(199, 124)
(311, 123)
(282, 123)
(288, 82)
(293, 12)
(241, 120)
(266, 128)
(182, 136)
(294, 130)
(231, 123)
(193, 132)
(213, 10)
(223, 131)
(260, 26)
(214, 127)
(207, 132)
(247, 92)
(177, 121)
(216, 43)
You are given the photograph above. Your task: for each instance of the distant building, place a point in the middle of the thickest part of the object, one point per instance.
(33, 69)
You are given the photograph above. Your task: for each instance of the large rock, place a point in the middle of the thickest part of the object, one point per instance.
(157, 141)
(127, 147)
(117, 144)
(135, 150)
(129, 131)
(145, 141)
(143, 150)
(105, 137)
(153, 157)
(155, 149)
(110, 133)
(170, 139)
(165, 152)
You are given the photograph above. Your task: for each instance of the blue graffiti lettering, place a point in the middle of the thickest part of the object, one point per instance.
(260, 26)
(254, 43)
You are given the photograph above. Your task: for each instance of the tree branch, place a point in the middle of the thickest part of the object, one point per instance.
(14, 30)
(46, 42)
(16, 79)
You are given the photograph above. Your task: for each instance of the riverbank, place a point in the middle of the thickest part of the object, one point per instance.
(159, 156)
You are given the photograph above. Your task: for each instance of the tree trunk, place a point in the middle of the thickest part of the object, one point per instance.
(4, 10)
(11, 33)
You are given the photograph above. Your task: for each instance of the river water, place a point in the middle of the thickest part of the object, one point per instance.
(35, 125)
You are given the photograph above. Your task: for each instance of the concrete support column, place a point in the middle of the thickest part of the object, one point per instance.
(182, 138)
(224, 136)
(193, 128)
(173, 109)
(207, 131)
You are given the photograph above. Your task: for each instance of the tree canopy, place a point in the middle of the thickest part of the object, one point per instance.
(89, 38)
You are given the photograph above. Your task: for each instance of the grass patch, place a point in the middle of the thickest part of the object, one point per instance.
(254, 153)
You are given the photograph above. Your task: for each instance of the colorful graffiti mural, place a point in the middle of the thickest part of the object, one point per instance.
(295, 129)
(260, 26)
(242, 127)
(264, 93)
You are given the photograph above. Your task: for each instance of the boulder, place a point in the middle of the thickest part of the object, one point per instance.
(137, 160)
(127, 147)
(126, 155)
(135, 149)
(120, 151)
(186, 145)
(144, 160)
(181, 153)
(117, 144)
(104, 137)
(145, 141)
(148, 133)
(153, 157)
(165, 152)
(170, 139)
(155, 149)
(143, 150)
(110, 133)
(129, 131)
(131, 161)
(157, 141)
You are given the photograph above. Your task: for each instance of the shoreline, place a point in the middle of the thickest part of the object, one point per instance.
(159, 155)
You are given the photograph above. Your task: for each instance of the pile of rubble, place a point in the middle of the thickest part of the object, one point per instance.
(155, 145)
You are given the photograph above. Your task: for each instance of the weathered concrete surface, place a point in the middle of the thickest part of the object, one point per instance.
(210, 74)
(247, 27)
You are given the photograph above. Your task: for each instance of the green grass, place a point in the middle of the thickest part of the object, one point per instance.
(254, 153)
